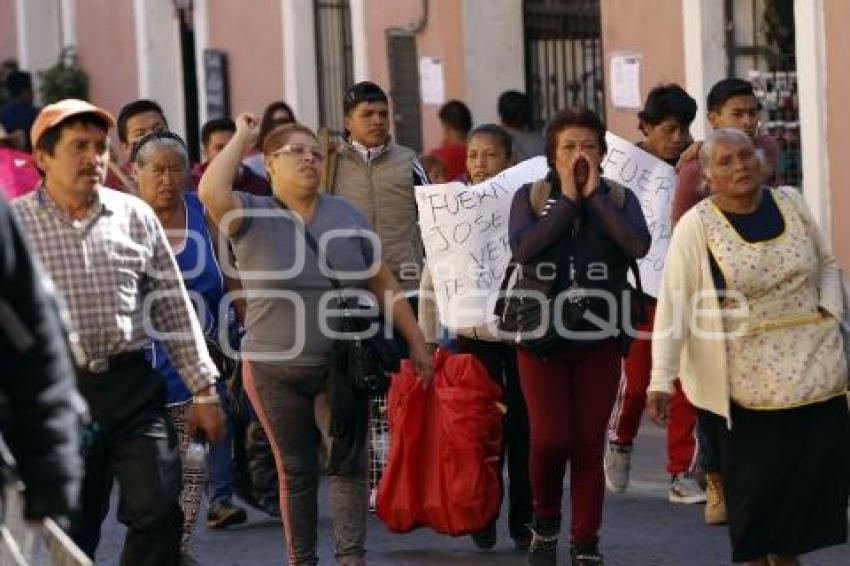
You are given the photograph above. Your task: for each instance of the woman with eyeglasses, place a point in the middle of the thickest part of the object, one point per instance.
(287, 343)
(275, 115)
(160, 165)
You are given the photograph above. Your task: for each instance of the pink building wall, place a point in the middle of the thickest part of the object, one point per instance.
(106, 46)
(837, 14)
(441, 38)
(653, 29)
(378, 19)
(8, 30)
(253, 41)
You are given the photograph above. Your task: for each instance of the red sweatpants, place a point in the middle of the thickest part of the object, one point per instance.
(631, 399)
(569, 399)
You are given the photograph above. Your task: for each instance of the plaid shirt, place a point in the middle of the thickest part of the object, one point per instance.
(117, 275)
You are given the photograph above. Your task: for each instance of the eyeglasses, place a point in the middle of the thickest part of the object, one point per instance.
(583, 146)
(298, 149)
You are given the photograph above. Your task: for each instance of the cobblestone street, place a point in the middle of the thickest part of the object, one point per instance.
(640, 528)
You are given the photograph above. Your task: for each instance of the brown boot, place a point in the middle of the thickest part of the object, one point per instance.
(544, 542)
(715, 503)
(775, 560)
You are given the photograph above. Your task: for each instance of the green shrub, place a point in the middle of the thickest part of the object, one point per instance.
(65, 79)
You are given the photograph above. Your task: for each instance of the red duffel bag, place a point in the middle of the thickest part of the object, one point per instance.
(443, 465)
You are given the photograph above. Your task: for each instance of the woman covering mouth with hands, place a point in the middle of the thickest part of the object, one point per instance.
(590, 230)
(285, 345)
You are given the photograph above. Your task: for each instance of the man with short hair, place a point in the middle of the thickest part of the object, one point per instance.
(665, 122)
(377, 176)
(214, 136)
(19, 113)
(112, 264)
(456, 120)
(515, 115)
(7, 66)
(731, 103)
(136, 119)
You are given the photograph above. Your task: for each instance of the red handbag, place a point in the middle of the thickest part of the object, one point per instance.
(445, 441)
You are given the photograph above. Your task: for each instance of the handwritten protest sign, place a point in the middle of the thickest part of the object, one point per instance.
(653, 182)
(465, 232)
(465, 228)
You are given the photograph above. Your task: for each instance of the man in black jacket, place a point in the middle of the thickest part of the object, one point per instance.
(39, 403)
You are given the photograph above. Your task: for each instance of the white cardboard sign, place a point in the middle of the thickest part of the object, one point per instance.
(653, 182)
(465, 228)
(465, 232)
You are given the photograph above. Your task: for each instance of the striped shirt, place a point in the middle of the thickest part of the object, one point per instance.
(118, 278)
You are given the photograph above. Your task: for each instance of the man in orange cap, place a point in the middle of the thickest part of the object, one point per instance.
(112, 264)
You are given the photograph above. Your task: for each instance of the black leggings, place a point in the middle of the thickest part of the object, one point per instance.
(292, 405)
(501, 364)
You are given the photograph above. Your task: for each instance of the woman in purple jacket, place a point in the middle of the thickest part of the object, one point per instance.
(591, 230)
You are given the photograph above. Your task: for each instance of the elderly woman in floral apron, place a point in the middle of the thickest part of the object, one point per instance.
(748, 317)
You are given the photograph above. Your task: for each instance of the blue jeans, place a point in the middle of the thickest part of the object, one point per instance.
(220, 456)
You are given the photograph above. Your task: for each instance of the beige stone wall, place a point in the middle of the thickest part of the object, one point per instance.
(379, 17)
(836, 16)
(441, 38)
(653, 29)
(8, 30)
(253, 40)
(106, 46)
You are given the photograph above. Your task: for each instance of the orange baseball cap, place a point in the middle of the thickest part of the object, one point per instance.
(52, 114)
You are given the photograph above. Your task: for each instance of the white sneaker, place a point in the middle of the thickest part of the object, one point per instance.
(373, 499)
(618, 464)
(685, 489)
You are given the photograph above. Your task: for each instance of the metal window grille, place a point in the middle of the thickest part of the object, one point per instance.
(334, 59)
(563, 56)
(760, 48)
(404, 89)
(379, 445)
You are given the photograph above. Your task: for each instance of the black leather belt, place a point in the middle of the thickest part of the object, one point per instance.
(98, 366)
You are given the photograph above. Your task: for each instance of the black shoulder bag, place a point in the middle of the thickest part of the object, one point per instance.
(526, 309)
(368, 360)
